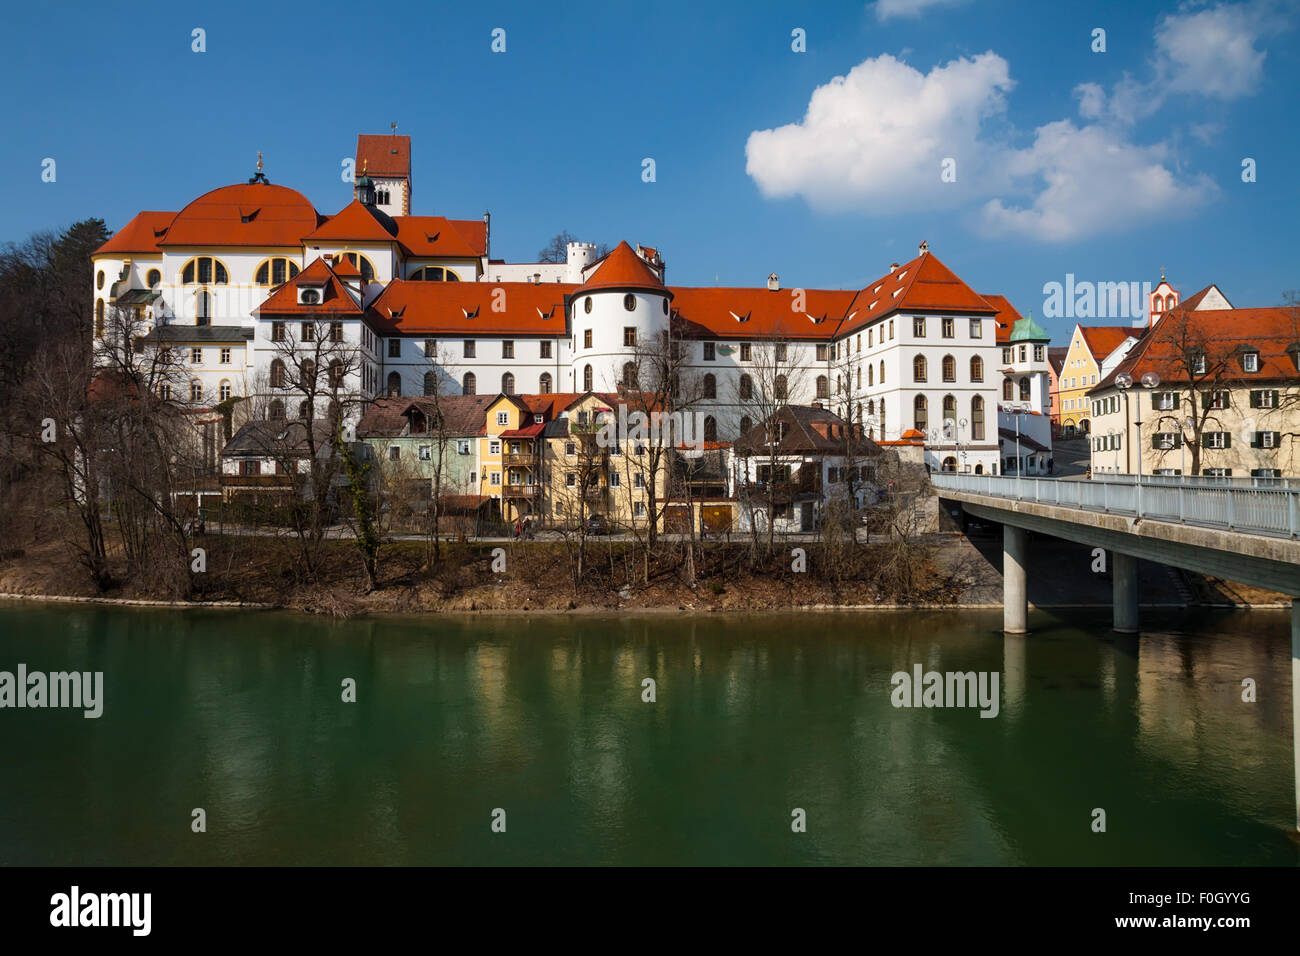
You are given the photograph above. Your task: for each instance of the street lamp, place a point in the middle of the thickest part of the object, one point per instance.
(1124, 382)
(961, 452)
(1016, 411)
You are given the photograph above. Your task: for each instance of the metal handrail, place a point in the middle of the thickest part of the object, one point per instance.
(1255, 510)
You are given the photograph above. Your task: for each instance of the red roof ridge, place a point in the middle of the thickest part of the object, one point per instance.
(623, 269)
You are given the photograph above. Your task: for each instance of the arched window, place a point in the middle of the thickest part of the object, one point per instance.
(949, 407)
(586, 379)
(468, 384)
(275, 271)
(433, 274)
(882, 372)
(586, 305)
(746, 424)
(710, 428)
(276, 411)
(430, 383)
(823, 387)
(871, 375)
(779, 388)
(920, 418)
(205, 270)
(99, 318)
(223, 390)
(508, 383)
(544, 383)
(277, 373)
(165, 391)
(918, 368)
(196, 391)
(979, 469)
(1024, 389)
(336, 373)
(629, 375)
(950, 463)
(364, 265)
(746, 388)
(949, 369)
(976, 369)
(394, 383)
(308, 374)
(303, 407)
(629, 302)
(1008, 390)
(203, 308)
(977, 418)
(99, 279)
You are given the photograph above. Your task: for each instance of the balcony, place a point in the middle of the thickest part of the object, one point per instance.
(518, 460)
(521, 491)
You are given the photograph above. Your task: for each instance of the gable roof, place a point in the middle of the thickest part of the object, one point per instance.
(462, 415)
(357, 223)
(384, 154)
(245, 214)
(1005, 318)
(810, 430)
(924, 284)
(434, 236)
(1196, 299)
(622, 269)
(1101, 340)
(141, 235)
(335, 297)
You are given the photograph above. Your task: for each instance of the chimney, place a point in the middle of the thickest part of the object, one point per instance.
(893, 267)
(924, 247)
(773, 283)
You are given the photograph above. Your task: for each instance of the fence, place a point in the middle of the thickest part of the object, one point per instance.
(1256, 510)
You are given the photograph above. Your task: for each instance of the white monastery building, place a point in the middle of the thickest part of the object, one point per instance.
(244, 285)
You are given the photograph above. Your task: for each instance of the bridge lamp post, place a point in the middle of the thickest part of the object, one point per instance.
(1149, 381)
(1124, 382)
(961, 452)
(1017, 410)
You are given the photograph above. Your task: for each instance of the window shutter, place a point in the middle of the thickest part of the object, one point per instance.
(1273, 394)
(1155, 399)
(1206, 398)
(1254, 399)
(1155, 440)
(1227, 439)
(1254, 440)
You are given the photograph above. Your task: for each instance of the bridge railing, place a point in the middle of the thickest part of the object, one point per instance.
(1270, 511)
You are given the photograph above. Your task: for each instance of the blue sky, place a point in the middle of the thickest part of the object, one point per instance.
(1105, 165)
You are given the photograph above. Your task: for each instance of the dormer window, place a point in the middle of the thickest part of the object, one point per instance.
(309, 296)
(1198, 363)
(1250, 361)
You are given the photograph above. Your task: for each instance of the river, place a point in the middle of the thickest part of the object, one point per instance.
(538, 723)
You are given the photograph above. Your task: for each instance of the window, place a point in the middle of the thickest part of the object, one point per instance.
(196, 391)
(394, 348)
(494, 447)
(394, 383)
(976, 328)
(1198, 363)
(615, 480)
(629, 375)
(544, 349)
(918, 326)
(586, 305)
(469, 348)
(276, 411)
(746, 388)
(1038, 353)
(586, 338)
(1263, 398)
(508, 383)
(507, 349)
(430, 383)
(225, 356)
(891, 330)
(1022, 353)
(638, 480)
(495, 479)
(1217, 439)
(1164, 441)
(629, 302)
(1164, 401)
(277, 331)
(918, 368)
(433, 274)
(308, 332)
(1217, 472)
(196, 356)
(782, 352)
(946, 328)
(250, 466)
(223, 390)
(1250, 361)
(976, 369)
(821, 353)
(823, 387)
(366, 267)
(710, 386)
(99, 279)
(779, 388)
(977, 418)
(1265, 440)
(949, 369)
(920, 416)
(859, 341)
(275, 271)
(586, 378)
(99, 318)
(1216, 399)
(638, 509)
(203, 308)
(204, 270)
(629, 336)
(1266, 473)
(165, 391)
(544, 383)
(277, 374)
(710, 352)
(871, 375)
(882, 371)
(570, 477)
(468, 384)
(746, 352)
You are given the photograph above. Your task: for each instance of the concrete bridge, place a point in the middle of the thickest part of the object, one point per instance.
(1239, 532)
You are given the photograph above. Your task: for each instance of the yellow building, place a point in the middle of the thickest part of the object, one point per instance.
(508, 456)
(1093, 352)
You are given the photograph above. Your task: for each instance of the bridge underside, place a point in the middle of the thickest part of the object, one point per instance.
(1261, 561)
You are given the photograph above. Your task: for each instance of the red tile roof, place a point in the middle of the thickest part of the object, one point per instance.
(1006, 317)
(744, 313)
(1224, 334)
(335, 298)
(276, 216)
(344, 269)
(140, 235)
(623, 269)
(1104, 339)
(437, 236)
(924, 284)
(357, 223)
(384, 155)
(466, 308)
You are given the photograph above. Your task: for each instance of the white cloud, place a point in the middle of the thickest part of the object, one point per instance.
(876, 137)
(1212, 52)
(1092, 100)
(1089, 181)
(909, 9)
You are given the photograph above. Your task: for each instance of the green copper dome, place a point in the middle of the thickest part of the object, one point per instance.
(1027, 330)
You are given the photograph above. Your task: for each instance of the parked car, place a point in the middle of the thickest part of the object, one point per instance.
(599, 524)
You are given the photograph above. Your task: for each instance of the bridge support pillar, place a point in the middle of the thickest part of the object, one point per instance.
(1124, 575)
(1295, 699)
(1015, 585)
